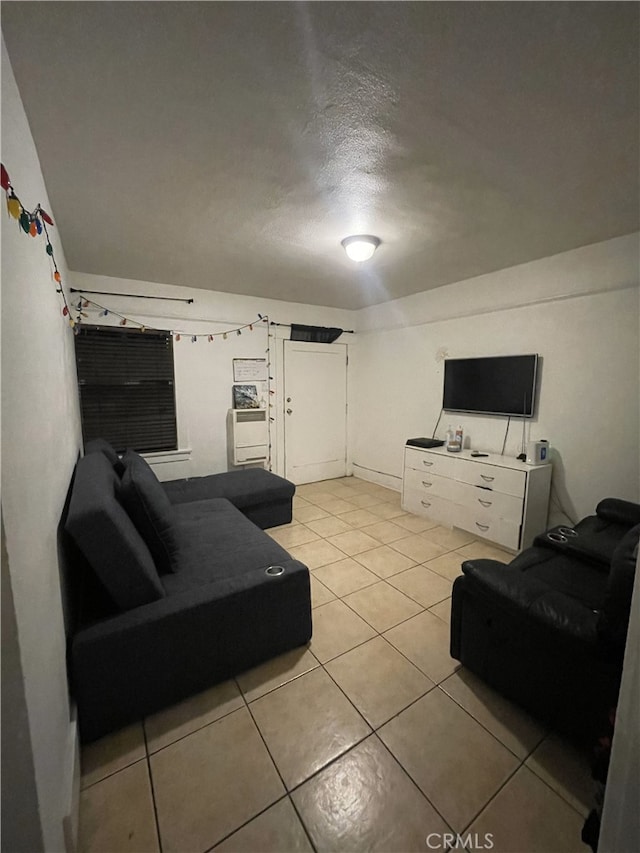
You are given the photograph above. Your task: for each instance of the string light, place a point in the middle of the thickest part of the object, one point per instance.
(33, 223)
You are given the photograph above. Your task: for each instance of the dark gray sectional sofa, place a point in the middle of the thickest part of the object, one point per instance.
(177, 587)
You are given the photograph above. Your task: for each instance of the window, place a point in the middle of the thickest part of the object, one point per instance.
(126, 385)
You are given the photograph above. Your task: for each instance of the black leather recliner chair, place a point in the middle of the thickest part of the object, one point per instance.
(548, 630)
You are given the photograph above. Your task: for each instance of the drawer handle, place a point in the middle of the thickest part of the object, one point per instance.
(487, 477)
(424, 462)
(426, 485)
(482, 526)
(485, 503)
(425, 503)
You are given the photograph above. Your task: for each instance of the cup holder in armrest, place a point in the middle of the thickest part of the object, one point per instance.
(577, 543)
(556, 536)
(274, 571)
(561, 534)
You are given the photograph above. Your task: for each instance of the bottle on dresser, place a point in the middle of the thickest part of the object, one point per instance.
(454, 440)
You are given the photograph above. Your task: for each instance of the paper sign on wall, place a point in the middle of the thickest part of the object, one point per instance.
(250, 369)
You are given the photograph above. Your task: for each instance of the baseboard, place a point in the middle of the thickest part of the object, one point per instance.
(389, 481)
(70, 822)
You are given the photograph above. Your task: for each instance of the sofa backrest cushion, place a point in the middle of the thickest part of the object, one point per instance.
(618, 511)
(614, 614)
(150, 509)
(101, 445)
(107, 537)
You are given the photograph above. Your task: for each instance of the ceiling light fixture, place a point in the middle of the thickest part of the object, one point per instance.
(360, 247)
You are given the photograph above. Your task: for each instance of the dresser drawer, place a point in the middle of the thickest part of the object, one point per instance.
(432, 506)
(504, 480)
(430, 484)
(498, 530)
(488, 502)
(435, 463)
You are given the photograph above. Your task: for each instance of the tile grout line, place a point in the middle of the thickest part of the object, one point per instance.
(400, 652)
(262, 738)
(481, 724)
(544, 781)
(493, 796)
(84, 788)
(197, 729)
(302, 823)
(411, 779)
(151, 785)
(266, 808)
(286, 794)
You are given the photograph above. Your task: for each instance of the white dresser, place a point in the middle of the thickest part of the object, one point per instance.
(494, 497)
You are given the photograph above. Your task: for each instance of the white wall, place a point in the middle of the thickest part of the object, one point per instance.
(204, 371)
(40, 443)
(587, 335)
(620, 829)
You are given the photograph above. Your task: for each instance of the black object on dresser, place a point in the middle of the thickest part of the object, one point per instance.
(424, 442)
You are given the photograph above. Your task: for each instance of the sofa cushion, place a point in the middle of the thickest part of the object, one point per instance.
(247, 488)
(579, 579)
(101, 445)
(107, 537)
(618, 511)
(215, 541)
(150, 509)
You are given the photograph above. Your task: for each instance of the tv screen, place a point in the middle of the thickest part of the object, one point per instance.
(498, 385)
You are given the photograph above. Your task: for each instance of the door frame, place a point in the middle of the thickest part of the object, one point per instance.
(278, 403)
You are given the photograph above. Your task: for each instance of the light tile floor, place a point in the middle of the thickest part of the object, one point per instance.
(371, 739)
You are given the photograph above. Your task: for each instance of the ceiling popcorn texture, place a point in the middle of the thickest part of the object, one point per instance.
(232, 146)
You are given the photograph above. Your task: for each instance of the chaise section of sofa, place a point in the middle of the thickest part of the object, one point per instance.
(264, 497)
(227, 597)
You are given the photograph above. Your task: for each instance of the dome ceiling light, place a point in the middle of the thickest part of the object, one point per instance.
(360, 247)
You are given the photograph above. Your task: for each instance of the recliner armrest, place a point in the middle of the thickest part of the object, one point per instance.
(619, 511)
(531, 598)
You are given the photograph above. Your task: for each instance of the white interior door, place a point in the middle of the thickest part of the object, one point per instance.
(315, 411)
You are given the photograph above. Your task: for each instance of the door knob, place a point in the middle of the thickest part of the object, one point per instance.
(289, 411)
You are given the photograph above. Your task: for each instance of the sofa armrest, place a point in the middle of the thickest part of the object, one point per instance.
(529, 597)
(619, 511)
(135, 663)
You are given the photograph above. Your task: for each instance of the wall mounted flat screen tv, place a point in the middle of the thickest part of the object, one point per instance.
(497, 385)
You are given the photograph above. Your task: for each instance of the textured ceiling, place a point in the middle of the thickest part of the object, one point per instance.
(231, 146)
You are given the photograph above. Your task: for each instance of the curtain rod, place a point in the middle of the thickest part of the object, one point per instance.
(344, 331)
(133, 295)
